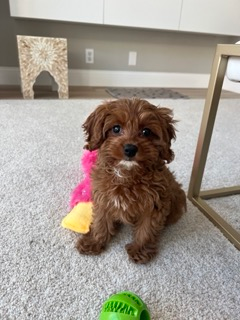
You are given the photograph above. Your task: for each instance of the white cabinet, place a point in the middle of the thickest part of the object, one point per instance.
(156, 14)
(203, 16)
(90, 11)
(211, 16)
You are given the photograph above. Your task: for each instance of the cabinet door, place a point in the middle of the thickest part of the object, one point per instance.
(156, 14)
(211, 16)
(63, 10)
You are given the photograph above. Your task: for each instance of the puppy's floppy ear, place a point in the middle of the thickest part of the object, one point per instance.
(93, 127)
(169, 134)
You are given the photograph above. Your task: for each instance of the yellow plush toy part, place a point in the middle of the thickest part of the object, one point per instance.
(79, 218)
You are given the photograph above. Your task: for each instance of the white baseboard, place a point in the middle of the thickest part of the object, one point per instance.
(104, 78)
(137, 79)
(11, 76)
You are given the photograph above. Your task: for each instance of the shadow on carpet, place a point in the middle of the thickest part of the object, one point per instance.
(145, 93)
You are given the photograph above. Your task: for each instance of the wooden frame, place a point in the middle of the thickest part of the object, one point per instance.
(195, 195)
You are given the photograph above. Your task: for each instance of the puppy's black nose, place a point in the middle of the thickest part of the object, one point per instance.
(130, 150)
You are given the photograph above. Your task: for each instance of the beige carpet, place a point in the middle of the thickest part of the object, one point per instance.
(196, 273)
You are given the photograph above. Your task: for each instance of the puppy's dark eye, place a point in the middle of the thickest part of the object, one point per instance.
(146, 132)
(116, 129)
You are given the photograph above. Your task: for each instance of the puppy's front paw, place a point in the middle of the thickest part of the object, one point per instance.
(87, 245)
(139, 254)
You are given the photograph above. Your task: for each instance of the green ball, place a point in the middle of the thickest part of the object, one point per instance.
(124, 306)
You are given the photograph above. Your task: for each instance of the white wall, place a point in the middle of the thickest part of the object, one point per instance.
(160, 52)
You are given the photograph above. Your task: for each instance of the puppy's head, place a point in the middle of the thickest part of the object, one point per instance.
(131, 131)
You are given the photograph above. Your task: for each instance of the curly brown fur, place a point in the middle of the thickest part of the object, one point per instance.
(131, 183)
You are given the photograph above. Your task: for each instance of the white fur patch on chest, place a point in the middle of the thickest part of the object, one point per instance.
(128, 164)
(124, 164)
(119, 203)
(117, 172)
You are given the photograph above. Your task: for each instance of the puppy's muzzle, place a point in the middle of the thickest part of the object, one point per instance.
(130, 150)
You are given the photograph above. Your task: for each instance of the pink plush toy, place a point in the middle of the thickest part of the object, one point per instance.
(80, 217)
(82, 193)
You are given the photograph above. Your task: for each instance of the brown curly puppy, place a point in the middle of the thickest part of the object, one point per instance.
(131, 183)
